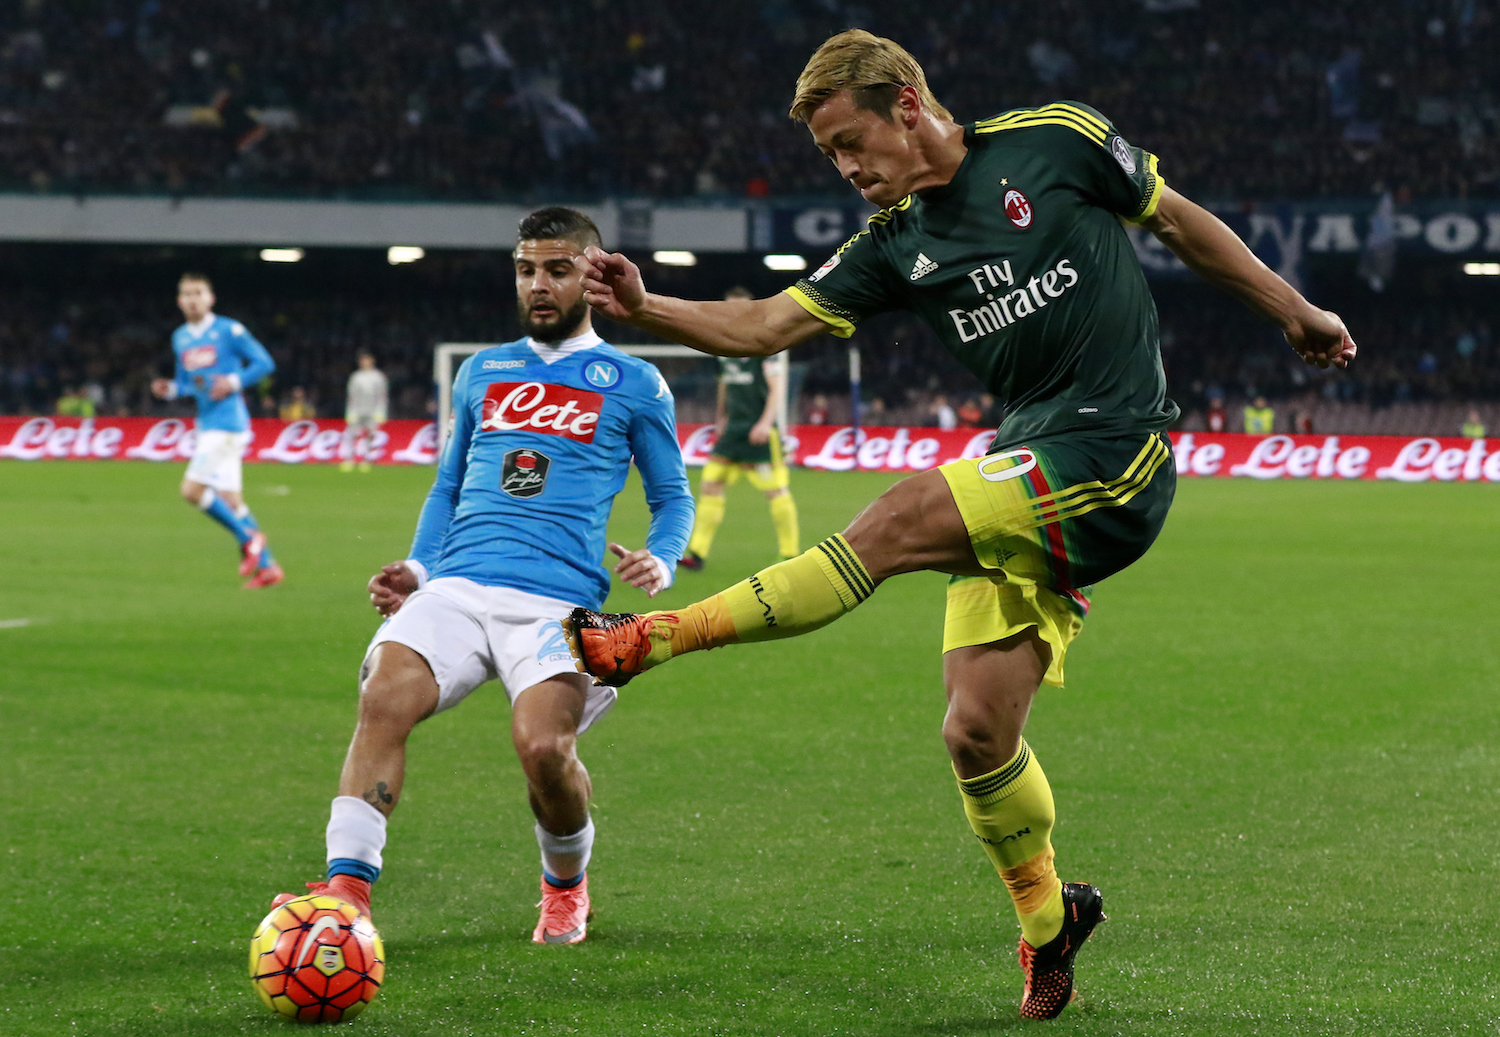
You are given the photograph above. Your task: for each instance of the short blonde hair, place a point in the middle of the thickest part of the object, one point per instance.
(872, 68)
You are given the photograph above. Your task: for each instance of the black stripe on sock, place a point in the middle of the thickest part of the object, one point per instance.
(986, 784)
(862, 585)
(842, 567)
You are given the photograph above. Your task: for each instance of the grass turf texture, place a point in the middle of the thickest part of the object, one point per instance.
(1279, 756)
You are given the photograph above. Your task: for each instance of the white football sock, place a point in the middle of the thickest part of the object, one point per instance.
(356, 831)
(566, 856)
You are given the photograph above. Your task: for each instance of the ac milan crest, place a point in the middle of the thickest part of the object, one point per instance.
(524, 473)
(1018, 208)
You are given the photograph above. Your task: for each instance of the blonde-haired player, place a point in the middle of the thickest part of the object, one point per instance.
(748, 441)
(365, 404)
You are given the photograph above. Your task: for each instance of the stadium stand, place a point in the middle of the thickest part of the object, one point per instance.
(486, 99)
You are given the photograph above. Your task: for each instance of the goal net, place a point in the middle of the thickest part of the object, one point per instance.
(692, 375)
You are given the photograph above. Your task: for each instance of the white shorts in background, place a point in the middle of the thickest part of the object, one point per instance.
(470, 634)
(216, 461)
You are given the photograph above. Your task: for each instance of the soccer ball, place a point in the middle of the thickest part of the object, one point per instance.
(316, 959)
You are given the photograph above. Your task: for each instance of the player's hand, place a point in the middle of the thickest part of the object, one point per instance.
(161, 388)
(1321, 339)
(642, 570)
(223, 386)
(760, 433)
(612, 284)
(390, 587)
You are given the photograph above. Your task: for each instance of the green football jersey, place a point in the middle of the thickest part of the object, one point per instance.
(745, 390)
(1021, 266)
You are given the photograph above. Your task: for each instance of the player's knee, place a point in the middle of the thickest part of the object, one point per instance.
(711, 489)
(976, 741)
(191, 492)
(394, 698)
(545, 755)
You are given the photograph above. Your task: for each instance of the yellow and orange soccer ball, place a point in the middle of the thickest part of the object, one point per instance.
(317, 959)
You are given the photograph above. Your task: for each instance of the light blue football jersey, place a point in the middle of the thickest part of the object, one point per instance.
(224, 347)
(530, 471)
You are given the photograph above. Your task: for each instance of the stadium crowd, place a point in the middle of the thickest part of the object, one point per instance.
(481, 99)
(109, 346)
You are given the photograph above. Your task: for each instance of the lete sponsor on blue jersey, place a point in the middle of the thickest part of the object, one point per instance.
(219, 346)
(541, 443)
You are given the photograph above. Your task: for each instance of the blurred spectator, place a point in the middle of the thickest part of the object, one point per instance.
(970, 414)
(1302, 422)
(1260, 418)
(817, 414)
(74, 404)
(296, 406)
(1216, 414)
(942, 414)
(1473, 427)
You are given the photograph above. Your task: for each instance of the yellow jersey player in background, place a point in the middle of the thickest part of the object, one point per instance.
(748, 440)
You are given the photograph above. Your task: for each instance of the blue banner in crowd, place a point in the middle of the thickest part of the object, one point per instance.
(1283, 235)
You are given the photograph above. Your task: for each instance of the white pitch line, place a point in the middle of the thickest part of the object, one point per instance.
(12, 624)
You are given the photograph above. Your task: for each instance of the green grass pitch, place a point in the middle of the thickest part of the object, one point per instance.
(1278, 754)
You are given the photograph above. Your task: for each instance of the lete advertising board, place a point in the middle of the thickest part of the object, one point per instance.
(829, 447)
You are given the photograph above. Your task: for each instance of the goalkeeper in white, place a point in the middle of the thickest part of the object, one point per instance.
(365, 404)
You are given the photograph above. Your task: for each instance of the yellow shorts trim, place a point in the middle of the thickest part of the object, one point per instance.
(994, 495)
(982, 610)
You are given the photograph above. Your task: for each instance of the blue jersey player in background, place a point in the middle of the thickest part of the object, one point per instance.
(509, 539)
(216, 359)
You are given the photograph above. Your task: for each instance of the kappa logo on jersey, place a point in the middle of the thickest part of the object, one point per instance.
(601, 373)
(1018, 208)
(524, 472)
(922, 267)
(199, 357)
(1121, 151)
(553, 410)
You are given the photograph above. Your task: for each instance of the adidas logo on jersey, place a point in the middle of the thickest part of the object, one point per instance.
(922, 267)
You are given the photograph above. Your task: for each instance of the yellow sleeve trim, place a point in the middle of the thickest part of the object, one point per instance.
(1048, 115)
(837, 325)
(1154, 198)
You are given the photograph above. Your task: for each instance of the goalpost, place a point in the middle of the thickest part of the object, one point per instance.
(444, 365)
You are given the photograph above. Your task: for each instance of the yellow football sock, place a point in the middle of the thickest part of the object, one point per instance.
(787, 599)
(710, 514)
(1011, 812)
(784, 518)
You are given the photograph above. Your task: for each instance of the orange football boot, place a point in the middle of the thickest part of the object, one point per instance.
(347, 888)
(565, 913)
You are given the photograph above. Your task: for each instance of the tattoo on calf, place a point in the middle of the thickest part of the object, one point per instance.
(379, 796)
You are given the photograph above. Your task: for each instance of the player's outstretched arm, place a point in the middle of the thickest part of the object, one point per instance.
(613, 286)
(1202, 241)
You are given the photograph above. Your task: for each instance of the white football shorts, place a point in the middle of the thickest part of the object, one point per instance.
(216, 460)
(470, 634)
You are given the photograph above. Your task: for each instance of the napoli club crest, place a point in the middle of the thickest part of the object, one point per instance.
(1018, 208)
(524, 473)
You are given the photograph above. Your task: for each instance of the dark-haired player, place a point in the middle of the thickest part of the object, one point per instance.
(1005, 236)
(216, 360)
(508, 542)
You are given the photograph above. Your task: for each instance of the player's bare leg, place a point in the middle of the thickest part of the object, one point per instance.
(1009, 806)
(397, 693)
(544, 728)
(912, 526)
